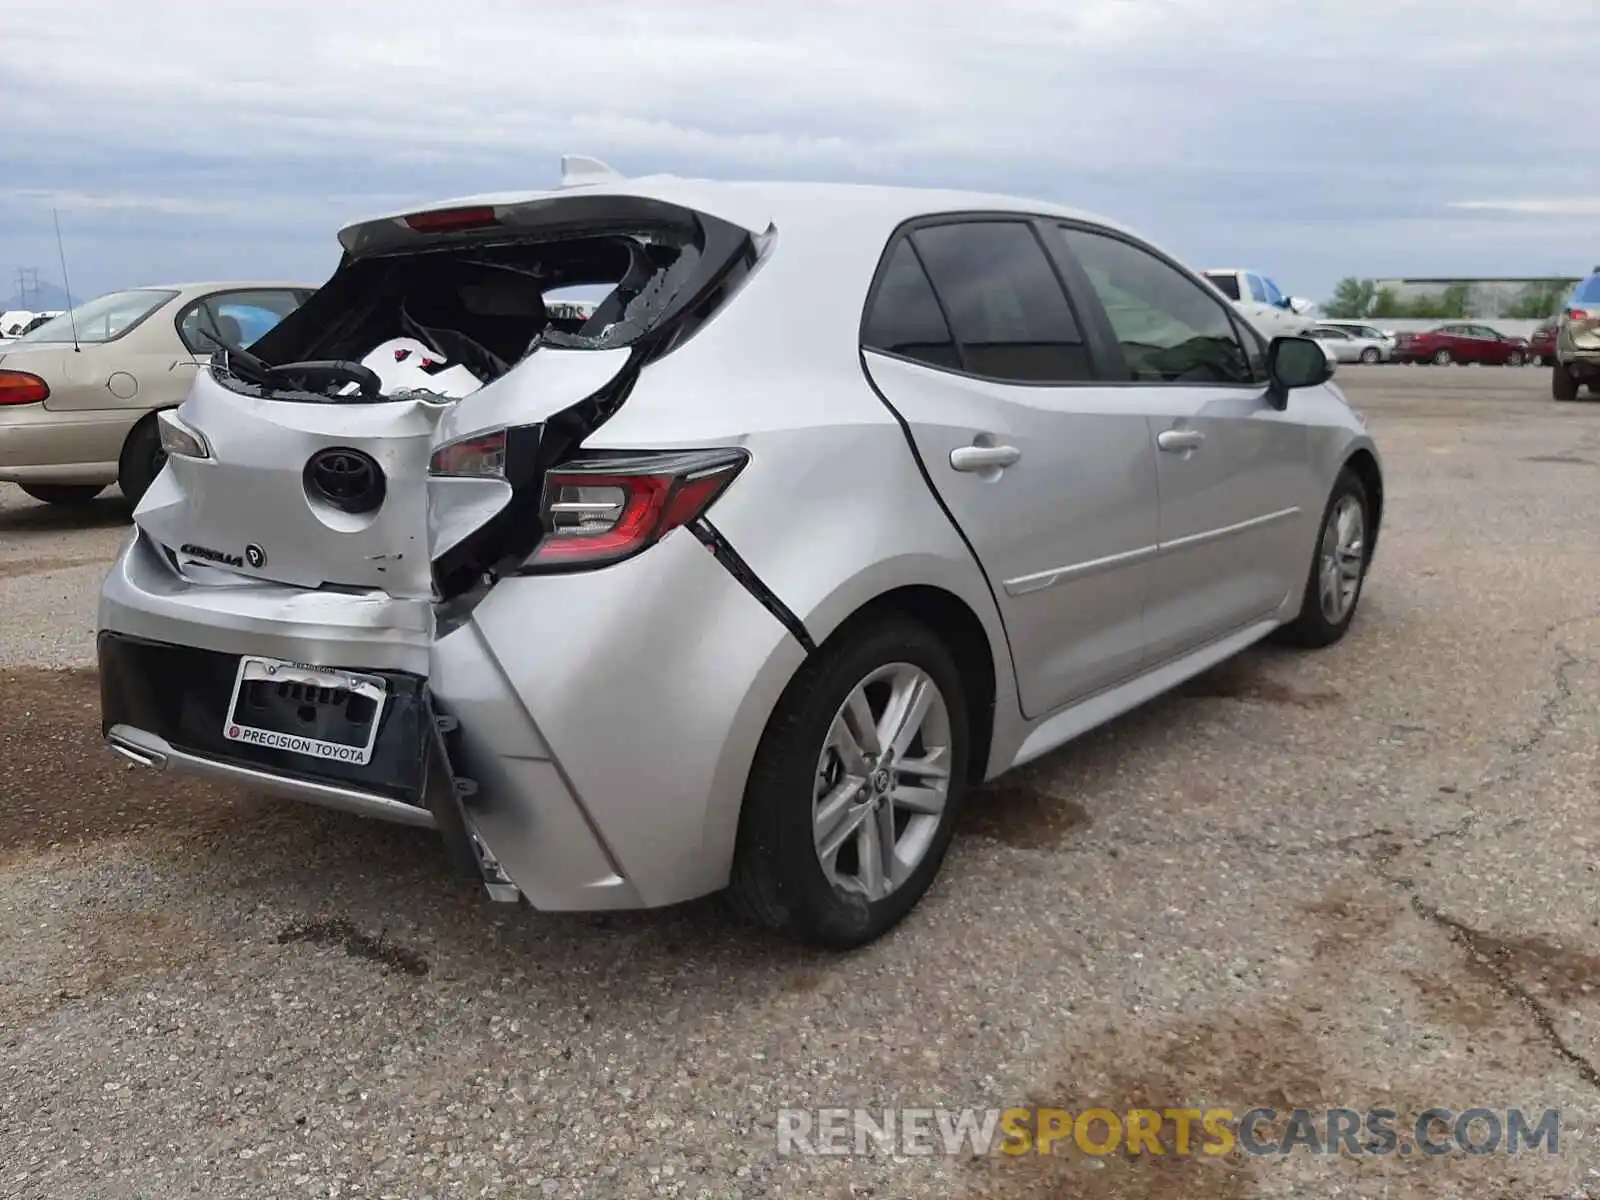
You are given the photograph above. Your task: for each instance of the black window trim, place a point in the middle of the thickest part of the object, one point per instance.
(1094, 346)
(1090, 300)
(196, 301)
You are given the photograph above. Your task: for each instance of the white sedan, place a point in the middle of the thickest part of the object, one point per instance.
(1345, 346)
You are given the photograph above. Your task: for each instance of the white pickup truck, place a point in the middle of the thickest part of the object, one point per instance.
(1260, 302)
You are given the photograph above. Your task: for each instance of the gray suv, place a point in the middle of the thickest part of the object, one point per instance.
(1578, 342)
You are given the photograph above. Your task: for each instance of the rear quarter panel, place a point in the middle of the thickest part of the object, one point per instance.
(146, 368)
(832, 511)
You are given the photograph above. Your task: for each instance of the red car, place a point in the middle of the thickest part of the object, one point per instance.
(1542, 345)
(1462, 343)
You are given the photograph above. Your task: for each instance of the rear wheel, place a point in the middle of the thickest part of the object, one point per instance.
(1514, 359)
(853, 793)
(63, 493)
(1563, 383)
(1333, 588)
(1370, 354)
(142, 459)
(1442, 358)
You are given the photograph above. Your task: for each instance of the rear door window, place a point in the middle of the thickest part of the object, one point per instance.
(1170, 329)
(1258, 289)
(905, 318)
(235, 319)
(1003, 302)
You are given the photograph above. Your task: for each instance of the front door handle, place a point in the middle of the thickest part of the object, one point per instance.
(1176, 441)
(983, 458)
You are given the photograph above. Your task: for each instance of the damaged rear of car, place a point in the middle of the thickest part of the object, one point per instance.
(315, 599)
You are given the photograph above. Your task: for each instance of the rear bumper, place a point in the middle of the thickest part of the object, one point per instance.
(1585, 364)
(173, 701)
(601, 757)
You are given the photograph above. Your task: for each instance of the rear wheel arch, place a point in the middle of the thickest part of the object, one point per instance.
(130, 473)
(963, 634)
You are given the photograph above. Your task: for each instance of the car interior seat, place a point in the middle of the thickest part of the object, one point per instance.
(230, 331)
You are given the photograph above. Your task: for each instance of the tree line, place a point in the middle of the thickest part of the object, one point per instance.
(1355, 299)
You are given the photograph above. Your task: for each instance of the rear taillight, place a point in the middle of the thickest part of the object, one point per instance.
(445, 219)
(19, 387)
(604, 508)
(482, 456)
(1577, 314)
(180, 439)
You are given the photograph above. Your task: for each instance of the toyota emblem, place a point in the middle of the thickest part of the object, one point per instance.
(349, 480)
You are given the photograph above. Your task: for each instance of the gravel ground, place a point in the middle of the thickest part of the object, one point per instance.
(1364, 877)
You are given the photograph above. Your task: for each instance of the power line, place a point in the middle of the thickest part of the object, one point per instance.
(28, 285)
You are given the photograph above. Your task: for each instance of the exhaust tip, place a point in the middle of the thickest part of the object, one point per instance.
(137, 754)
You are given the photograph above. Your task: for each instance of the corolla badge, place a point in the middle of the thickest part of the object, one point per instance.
(209, 555)
(253, 554)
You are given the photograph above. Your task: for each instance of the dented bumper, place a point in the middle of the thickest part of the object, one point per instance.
(567, 751)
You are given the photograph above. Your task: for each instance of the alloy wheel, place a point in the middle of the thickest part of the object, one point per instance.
(882, 781)
(1342, 559)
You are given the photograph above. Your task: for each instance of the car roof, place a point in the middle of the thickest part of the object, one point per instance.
(228, 285)
(756, 205)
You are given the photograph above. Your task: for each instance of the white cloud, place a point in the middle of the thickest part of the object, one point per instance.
(1544, 206)
(1232, 127)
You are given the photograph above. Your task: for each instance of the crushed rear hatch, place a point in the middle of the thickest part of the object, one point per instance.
(318, 457)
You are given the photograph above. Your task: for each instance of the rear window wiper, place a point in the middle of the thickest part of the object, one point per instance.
(311, 377)
(231, 359)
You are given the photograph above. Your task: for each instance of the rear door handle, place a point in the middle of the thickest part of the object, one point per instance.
(983, 458)
(1178, 440)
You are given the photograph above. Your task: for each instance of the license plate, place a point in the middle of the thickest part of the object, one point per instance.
(312, 711)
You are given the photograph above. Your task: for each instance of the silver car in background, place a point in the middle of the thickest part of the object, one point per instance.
(843, 501)
(1347, 345)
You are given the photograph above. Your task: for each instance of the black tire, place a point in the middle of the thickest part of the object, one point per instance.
(68, 494)
(777, 879)
(142, 459)
(1442, 358)
(1369, 355)
(1311, 629)
(1563, 383)
(1514, 359)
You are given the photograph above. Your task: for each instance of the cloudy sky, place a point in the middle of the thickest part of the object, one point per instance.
(1306, 138)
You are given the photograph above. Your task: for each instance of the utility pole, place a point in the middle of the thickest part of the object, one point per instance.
(27, 285)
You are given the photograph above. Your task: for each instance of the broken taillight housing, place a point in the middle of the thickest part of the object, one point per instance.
(604, 508)
(481, 456)
(179, 438)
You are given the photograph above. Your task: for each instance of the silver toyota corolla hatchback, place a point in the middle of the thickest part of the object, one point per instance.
(840, 502)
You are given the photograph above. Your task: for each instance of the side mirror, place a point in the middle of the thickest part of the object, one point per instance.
(1294, 362)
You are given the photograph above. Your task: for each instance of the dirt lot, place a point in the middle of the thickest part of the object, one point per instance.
(1363, 878)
